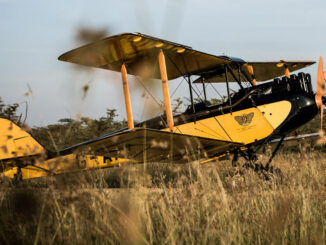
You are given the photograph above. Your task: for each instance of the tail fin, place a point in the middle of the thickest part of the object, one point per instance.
(15, 142)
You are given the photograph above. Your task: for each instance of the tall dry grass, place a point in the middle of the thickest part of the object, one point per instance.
(171, 204)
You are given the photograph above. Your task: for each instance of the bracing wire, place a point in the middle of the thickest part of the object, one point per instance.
(175, 90)
(150, 94)
(216, 91)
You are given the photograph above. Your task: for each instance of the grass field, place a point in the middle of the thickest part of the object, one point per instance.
(171, 204)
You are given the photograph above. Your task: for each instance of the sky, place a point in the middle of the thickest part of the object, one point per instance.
(34, 33)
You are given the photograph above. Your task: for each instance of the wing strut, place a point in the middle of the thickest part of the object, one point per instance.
(167, 101)
(127, 96)
(287, 71)
(250, 70)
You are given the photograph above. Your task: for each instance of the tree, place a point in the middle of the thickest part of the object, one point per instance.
(68, 132)
(9, 111)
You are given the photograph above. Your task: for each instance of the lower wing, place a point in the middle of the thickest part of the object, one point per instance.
(154, 146)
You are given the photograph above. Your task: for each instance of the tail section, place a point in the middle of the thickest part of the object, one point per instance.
(22, 157)
(17, 143)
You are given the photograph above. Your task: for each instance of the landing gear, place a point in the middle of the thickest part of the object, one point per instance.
(275, 151)
(18, 177)
(251, 159)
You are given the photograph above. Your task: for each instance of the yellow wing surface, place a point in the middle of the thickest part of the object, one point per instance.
(154, 146)
(139, 52)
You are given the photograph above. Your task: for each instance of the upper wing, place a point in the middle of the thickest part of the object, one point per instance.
(154, 145)
(140, 52)
(263, 71)
(268, 70)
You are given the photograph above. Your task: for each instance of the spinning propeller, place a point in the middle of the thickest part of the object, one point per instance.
(321, 77)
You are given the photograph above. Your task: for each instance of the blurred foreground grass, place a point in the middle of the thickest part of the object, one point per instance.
(163, 203)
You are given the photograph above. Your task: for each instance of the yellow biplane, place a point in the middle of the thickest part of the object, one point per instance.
(240, 125)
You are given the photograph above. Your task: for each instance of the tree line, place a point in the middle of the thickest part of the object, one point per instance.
(66, 131)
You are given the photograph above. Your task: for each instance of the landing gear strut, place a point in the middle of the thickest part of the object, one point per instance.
(274, 152)
(251, 160)
(18, 177)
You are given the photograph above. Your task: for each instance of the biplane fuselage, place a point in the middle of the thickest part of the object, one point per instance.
(267, 110)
